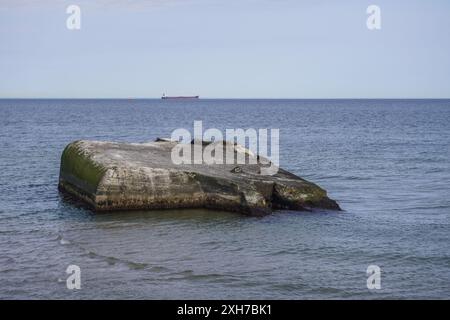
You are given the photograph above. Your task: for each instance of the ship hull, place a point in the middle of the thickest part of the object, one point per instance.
(180, 97)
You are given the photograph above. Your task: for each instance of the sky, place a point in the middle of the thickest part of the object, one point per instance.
(225, 49)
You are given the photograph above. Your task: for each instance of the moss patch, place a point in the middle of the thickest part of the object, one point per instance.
(76, 162)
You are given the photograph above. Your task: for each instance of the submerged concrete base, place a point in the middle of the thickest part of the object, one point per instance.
(126, 176)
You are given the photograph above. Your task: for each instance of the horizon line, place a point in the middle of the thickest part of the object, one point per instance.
(212, 98)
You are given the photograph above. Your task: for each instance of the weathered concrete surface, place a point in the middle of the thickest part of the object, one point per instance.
(125, 176)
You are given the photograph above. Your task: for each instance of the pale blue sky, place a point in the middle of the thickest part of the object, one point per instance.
(225, 49)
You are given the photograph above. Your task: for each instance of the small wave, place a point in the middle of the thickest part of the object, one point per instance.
(289, 286)
(113, 260)
(359, 178)
(62, 241)
(110, 260)
(283, 252)
(159, 269)
(429, 207)
(208, 276)
(184, 272)
(189, 275)
(341, 177)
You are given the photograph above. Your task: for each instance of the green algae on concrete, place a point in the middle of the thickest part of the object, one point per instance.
(77, 162)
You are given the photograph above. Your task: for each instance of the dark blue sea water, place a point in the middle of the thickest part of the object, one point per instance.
(387, 163)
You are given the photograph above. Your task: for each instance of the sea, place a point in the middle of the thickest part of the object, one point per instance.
(386, 162)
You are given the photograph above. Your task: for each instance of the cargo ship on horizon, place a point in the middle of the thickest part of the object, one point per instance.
(164, 97)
